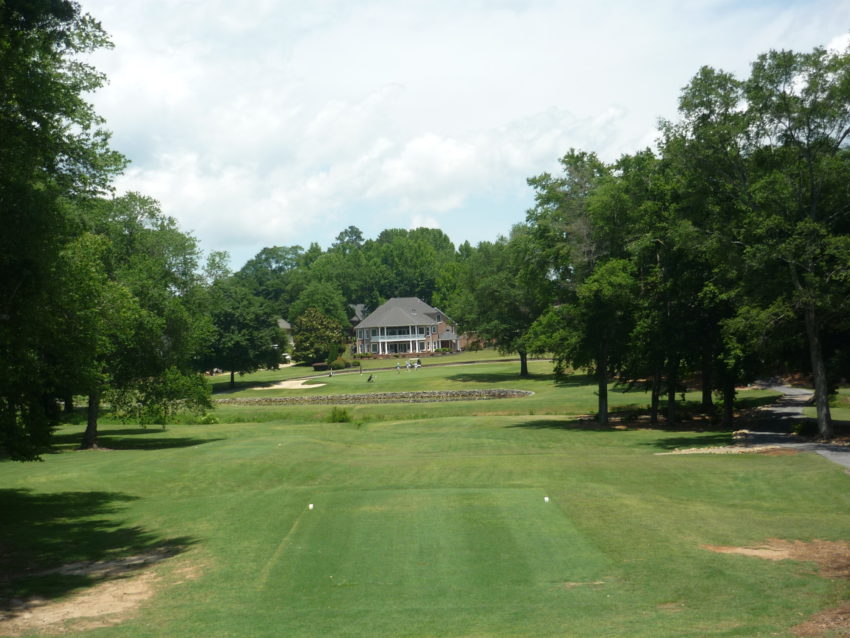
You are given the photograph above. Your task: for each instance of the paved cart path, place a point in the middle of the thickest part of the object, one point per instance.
(779, 420)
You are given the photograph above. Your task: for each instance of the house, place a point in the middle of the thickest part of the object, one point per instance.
(360, 311)
(286, 328)
(405, 325)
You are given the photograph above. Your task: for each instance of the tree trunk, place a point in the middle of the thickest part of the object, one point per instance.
(728, 404)
(602, 380)
(819, 372)
(672, 381)
(68, 402)
(232, 381)
(523, 363)
(656, 398)
(816, 353)
(90, 436)
(707, 399)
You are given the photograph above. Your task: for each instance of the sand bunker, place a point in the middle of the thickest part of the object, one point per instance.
(291, 384)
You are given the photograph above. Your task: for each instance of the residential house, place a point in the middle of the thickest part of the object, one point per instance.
(360, 311)
(405, 325)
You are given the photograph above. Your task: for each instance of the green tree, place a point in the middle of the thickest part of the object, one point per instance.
(269, 274)
(503, 292)
(772, 151)
(146, 339)
(593, 332)
(246, 336)
(316, 336)
(52, 149)
(323, 296)
(801, 108)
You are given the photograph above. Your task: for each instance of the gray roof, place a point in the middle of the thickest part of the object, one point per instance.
(360, 311)
(402, 311)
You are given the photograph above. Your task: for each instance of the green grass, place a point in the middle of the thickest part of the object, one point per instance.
(221, 382)
(428, 520)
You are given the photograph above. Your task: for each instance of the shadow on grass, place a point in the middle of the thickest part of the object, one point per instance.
(695, 434)
(584, 425)
(224, 387)
(54, 544)
(574, 381)
(714, 439)
(129, 438)
(497, 377)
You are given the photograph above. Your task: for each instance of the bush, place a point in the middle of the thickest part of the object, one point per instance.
(319, 366)
(356, 363)
(338, 364)
(806, 429)
(339, 415)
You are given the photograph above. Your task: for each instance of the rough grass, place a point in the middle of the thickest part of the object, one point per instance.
(428, 520)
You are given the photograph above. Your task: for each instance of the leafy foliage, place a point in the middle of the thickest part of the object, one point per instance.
(316, 336)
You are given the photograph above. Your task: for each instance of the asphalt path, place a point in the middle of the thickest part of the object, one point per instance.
(779, 419)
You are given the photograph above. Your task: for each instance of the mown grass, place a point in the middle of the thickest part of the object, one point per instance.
(429, 520)
(221, 382)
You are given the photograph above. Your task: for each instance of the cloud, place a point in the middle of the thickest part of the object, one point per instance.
(270, 122)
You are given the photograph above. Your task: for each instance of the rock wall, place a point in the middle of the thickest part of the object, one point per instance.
(381, 397)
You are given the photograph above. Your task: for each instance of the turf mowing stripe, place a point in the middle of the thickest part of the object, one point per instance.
(278, 552)
(424, 548)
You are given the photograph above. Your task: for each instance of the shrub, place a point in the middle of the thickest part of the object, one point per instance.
(319, 366)
(337, 364)
(339, 415)
(808, 428)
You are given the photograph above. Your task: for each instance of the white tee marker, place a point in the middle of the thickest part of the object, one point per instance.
(545, 499)
(310, 506)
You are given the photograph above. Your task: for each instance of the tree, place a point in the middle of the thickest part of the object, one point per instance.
(773, 152)
(322, 296)
(269, 273)
(52, 149)
(594, 332)
(145, 338)
(316, 335)
(801, 107)
(349, 240)
(503, 292)
(246, 336)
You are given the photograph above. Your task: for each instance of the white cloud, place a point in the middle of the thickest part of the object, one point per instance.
(268, 122)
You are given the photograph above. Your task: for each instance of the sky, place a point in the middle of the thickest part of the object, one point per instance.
(281, 122)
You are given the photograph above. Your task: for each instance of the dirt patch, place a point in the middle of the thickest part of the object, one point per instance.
(832, 557)
(130, 582)
(833, 561)
(836, 621)
(772, 450)
(103, 605)
(291, 384)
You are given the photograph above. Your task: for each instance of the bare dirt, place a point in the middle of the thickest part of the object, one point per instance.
(128, 583)
(833, 561)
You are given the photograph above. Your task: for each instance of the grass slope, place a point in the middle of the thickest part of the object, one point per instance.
(431, 526)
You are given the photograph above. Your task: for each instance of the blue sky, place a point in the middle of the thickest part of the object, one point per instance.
(269, 122)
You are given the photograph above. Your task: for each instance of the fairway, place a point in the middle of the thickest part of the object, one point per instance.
(421, 525)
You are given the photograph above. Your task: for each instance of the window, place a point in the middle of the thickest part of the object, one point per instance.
(374, 332)
(375, 348)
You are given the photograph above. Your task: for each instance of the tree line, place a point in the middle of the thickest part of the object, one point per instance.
(725, 254)
(722, 254)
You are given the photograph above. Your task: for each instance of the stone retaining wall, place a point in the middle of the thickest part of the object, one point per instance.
(381, 397)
